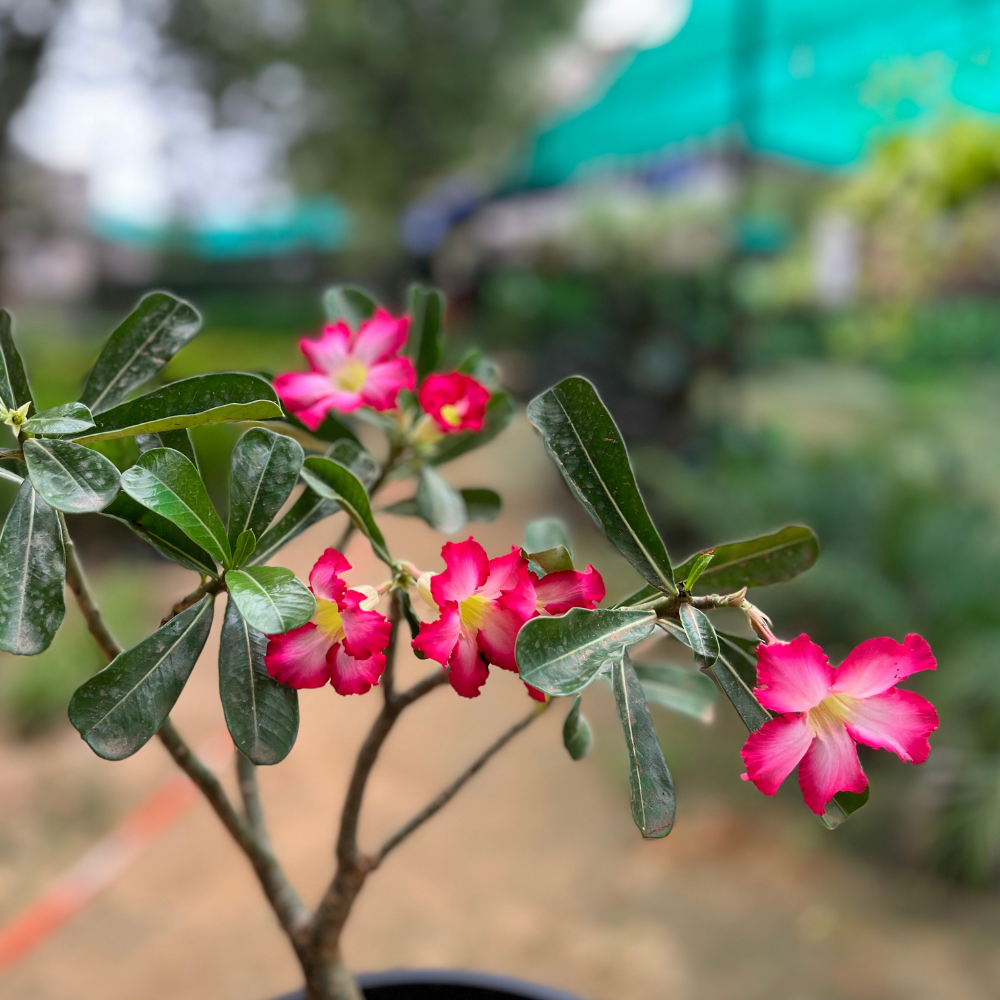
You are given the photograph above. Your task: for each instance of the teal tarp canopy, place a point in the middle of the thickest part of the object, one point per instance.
(811, 81)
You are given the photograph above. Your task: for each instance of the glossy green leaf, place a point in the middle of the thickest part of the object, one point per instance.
(162, 534)
(70, 418)
(757, 562)
(578, 737)
(427, 312)
(9, 476)
(178, 440)
(335, 482)
(309, 509)
(841, 806)
(481, 368)
(191, 402)
(481, 505)
(679, 689)
(701, 635)
(353, 456)
(412, 620)
(546, 533)
(349, 303)
(15, 389)
(70, 477)
(158, 327)
(499, 412)
(123, 453)
(640, 596)
(167, 483)
(555, 560)
(332, 428)
(562, 654)
(440, 505)
(265, 469)
(122, 706)
(32, 575)
(271, 598)
(588, 449)
(262, 715)
(698, 564)
(748, 647)
(650, 783)
(749, 709)
(244, 547)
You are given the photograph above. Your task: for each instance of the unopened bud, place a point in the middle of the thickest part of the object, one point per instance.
(372, 596)
(424, 589)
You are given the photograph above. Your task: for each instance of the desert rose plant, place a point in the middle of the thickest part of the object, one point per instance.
(372, 376)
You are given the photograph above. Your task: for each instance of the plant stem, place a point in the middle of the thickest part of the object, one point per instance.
(447, 794)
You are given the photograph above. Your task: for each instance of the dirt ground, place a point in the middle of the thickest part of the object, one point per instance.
(535, 870)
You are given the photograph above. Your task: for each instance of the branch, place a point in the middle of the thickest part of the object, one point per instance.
(425, 686)
(246, 775)
(208, 587)
(447, 794)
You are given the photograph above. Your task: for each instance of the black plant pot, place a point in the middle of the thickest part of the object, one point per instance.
(447, 984)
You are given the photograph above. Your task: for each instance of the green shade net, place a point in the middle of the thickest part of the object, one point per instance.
(814, 82)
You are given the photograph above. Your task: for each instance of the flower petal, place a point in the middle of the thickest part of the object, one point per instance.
(349, 675)
(324, 580)
(895, 720)
(468, 672)
(498, 635)
(455, 402)
(385, 379)
(830, 765)
(365, 632)
(330, 350)
(437, 639)
(380, 337)
(792, 676)
(774, 751)
(300, 390)
(536, 694)
(298, 658)
(556, 593)
(879, 664)
(466, 571)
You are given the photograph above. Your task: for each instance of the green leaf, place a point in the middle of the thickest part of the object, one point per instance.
(411, 619)
(499, 412)
(552, 560)
(757, 562)
(10, 477)
(335, 482)
(749, 709)
(271, 598)
(699, 564)
(162, 534)
(701, 635)
(481, 505)
(841, 806)
(309, 509)
(122, 706)
(481, 368)
(442, 507)
(652, 788)
(562, 654)
(748, 647)
(123, 453)
(15, 389)
(244, 547)
(70, 418)
(546, 533)
(332, 429)
(191, 402)
(679, 689)
(167, 483)
(588, 449)
(349, 303)
(178, 440)
(578, 737)
(352, 456)
(146, 340)
(643, 594)
(70, 477)
(32, 575)
(262, 715)
(265, 469)
(427, 312)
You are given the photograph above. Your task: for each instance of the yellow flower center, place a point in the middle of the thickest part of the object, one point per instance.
(351, 376)
(450, 415)
(327, 619)
(830, 713)
(472, 611)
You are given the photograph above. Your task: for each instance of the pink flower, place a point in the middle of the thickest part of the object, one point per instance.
(825, 711)
(556, 593)
(349, 370)
(454, 402)
(344, 642)
(483, 603)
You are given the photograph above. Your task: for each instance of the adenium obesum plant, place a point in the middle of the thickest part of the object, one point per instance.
(527, 610)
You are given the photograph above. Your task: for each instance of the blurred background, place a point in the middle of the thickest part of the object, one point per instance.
(768, 231)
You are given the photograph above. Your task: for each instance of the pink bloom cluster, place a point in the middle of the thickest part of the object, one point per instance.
(343, 644)
(825, 711)
(349, 370)
(455, 402)
(482, 605)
